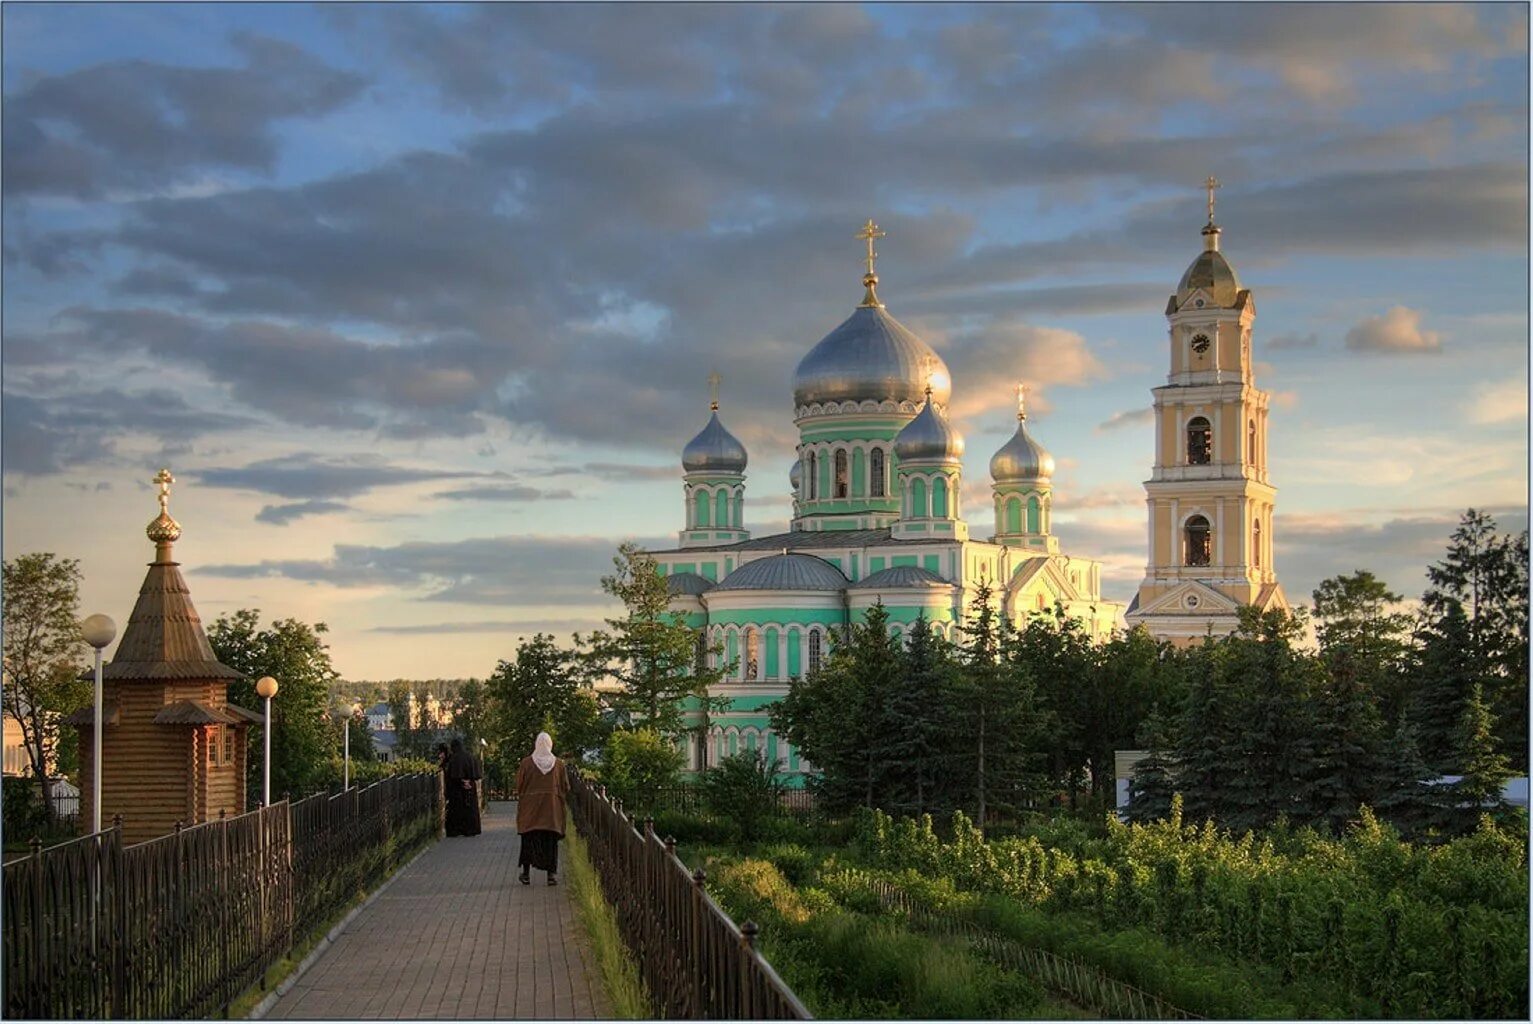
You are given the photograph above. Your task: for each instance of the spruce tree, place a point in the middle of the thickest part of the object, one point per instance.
(1154, 781)
(1446, 670)
(1405, 797)
(918, 709)
(1348, 768)
(997, 713)
(1363, 641)
(1483, 768)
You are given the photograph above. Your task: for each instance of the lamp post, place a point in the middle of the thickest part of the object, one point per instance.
(266, 688)
(98, 631)
(344, 710)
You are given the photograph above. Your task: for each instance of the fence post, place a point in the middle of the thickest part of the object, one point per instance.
(748, 932)
(703, 970)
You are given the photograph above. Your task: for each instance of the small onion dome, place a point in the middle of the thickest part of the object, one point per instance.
(715, 450)
(1021, 458)
(796, 474)
(910, 577)
(689, 584)
(870, 357)
(929, 436)
(1210, 272)
(785, 572)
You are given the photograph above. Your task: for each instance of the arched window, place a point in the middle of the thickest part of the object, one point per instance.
(700, 507)
(813, 476)
(721, 509)
(1256, 543)
(1033, 515)
(841, 479)
(739, 510)
(1200, 442)
(1198, 542)
(918, 499)
(939, 497)
(752, 655)
(1013, 515)
(814, 651)
(876, 473)
(1251, 442)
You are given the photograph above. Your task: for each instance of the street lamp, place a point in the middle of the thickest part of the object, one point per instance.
(98, 631)
(344, 710)
(266, 687)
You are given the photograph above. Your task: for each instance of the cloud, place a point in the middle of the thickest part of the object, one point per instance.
(987, 363)
(1503, 402)
(45, 434)
(1285, 399)
(140, 126)
(507, 493)
(1127, 418)
(1398, 330)
(519, 571)
(281, 515)
(1292, 341)
(307, 475)
(519, 627)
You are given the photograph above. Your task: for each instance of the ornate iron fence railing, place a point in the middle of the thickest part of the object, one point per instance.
(179, 926)
(694, 960)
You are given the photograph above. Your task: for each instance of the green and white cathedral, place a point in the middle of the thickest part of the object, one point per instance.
(876, 518)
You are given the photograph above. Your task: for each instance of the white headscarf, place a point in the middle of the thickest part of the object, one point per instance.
(543, 753)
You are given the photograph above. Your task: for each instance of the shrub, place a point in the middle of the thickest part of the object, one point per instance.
(636, 765)
(746, 788)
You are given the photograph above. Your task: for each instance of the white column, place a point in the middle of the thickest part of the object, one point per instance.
(1220, 540)
(1176, 529)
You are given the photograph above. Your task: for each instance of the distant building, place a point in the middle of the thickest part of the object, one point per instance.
(379, 717)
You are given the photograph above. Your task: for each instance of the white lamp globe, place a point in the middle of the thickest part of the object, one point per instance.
(98, 630)
(266, 687)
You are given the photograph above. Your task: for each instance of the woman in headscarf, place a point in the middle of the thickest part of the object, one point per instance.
(461, 771)
(541, 786)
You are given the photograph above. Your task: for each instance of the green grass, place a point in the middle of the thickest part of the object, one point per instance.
(619, 974)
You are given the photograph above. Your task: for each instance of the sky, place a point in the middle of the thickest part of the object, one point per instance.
(419, 302)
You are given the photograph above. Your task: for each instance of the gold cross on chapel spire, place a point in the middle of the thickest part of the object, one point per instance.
(713, 390)
(1021, 401)
(1211, 184)
(868, 233)
(163, 480)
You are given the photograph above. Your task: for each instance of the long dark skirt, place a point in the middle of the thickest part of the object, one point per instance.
(462, 810)
(540, 849)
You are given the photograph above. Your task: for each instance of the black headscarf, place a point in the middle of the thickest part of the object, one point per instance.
(460, 764)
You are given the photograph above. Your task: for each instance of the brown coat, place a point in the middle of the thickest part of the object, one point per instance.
(540, 799)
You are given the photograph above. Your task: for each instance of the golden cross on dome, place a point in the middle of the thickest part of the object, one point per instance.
(868, 233)
(163, 480)
(1021, 400)
(1211, 184)
(713, 390)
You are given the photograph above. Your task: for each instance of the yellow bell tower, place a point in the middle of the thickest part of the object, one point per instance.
(1209, 497)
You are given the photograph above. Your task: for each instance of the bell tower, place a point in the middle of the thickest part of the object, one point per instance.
(1209, 496)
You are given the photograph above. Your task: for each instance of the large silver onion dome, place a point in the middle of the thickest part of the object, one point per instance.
(715, 450)
(1021, 458)
(785, 572)
(929, 436)
(1211, 272)
(870, 356)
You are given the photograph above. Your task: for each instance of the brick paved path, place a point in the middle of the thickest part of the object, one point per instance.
(457, 937)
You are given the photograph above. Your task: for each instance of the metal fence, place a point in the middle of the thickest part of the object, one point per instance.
(695, 962)
(690, 799)
(179, 926)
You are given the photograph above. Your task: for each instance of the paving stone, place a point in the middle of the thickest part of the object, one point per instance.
(457, 937)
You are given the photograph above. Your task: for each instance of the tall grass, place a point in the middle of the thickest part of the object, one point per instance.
(619, 974)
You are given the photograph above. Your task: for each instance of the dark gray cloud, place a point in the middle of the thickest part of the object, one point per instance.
(140, 126)
(1127, 418)
(281, 515)
(52, 433)
(508, 571)
(308, 476)
(506, 493)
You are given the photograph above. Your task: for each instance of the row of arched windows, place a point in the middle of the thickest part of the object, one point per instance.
(765, 653)
(933, 496)
(1014, 517)
(1198, 541)
(722, 507)
(843, 481)
(1200, 442)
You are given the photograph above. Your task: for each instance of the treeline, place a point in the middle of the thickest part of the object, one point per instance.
(1250, 728)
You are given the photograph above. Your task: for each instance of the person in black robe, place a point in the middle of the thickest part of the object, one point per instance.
(461, 773)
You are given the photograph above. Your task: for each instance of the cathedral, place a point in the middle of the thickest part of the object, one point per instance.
(876, 519)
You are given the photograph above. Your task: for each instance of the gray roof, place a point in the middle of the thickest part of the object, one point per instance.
(714, 450)
(163, 638)
(870, 355)
(687, 583)
(785, 572)
(1021, 458)
(912, 576)
(929, 436)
